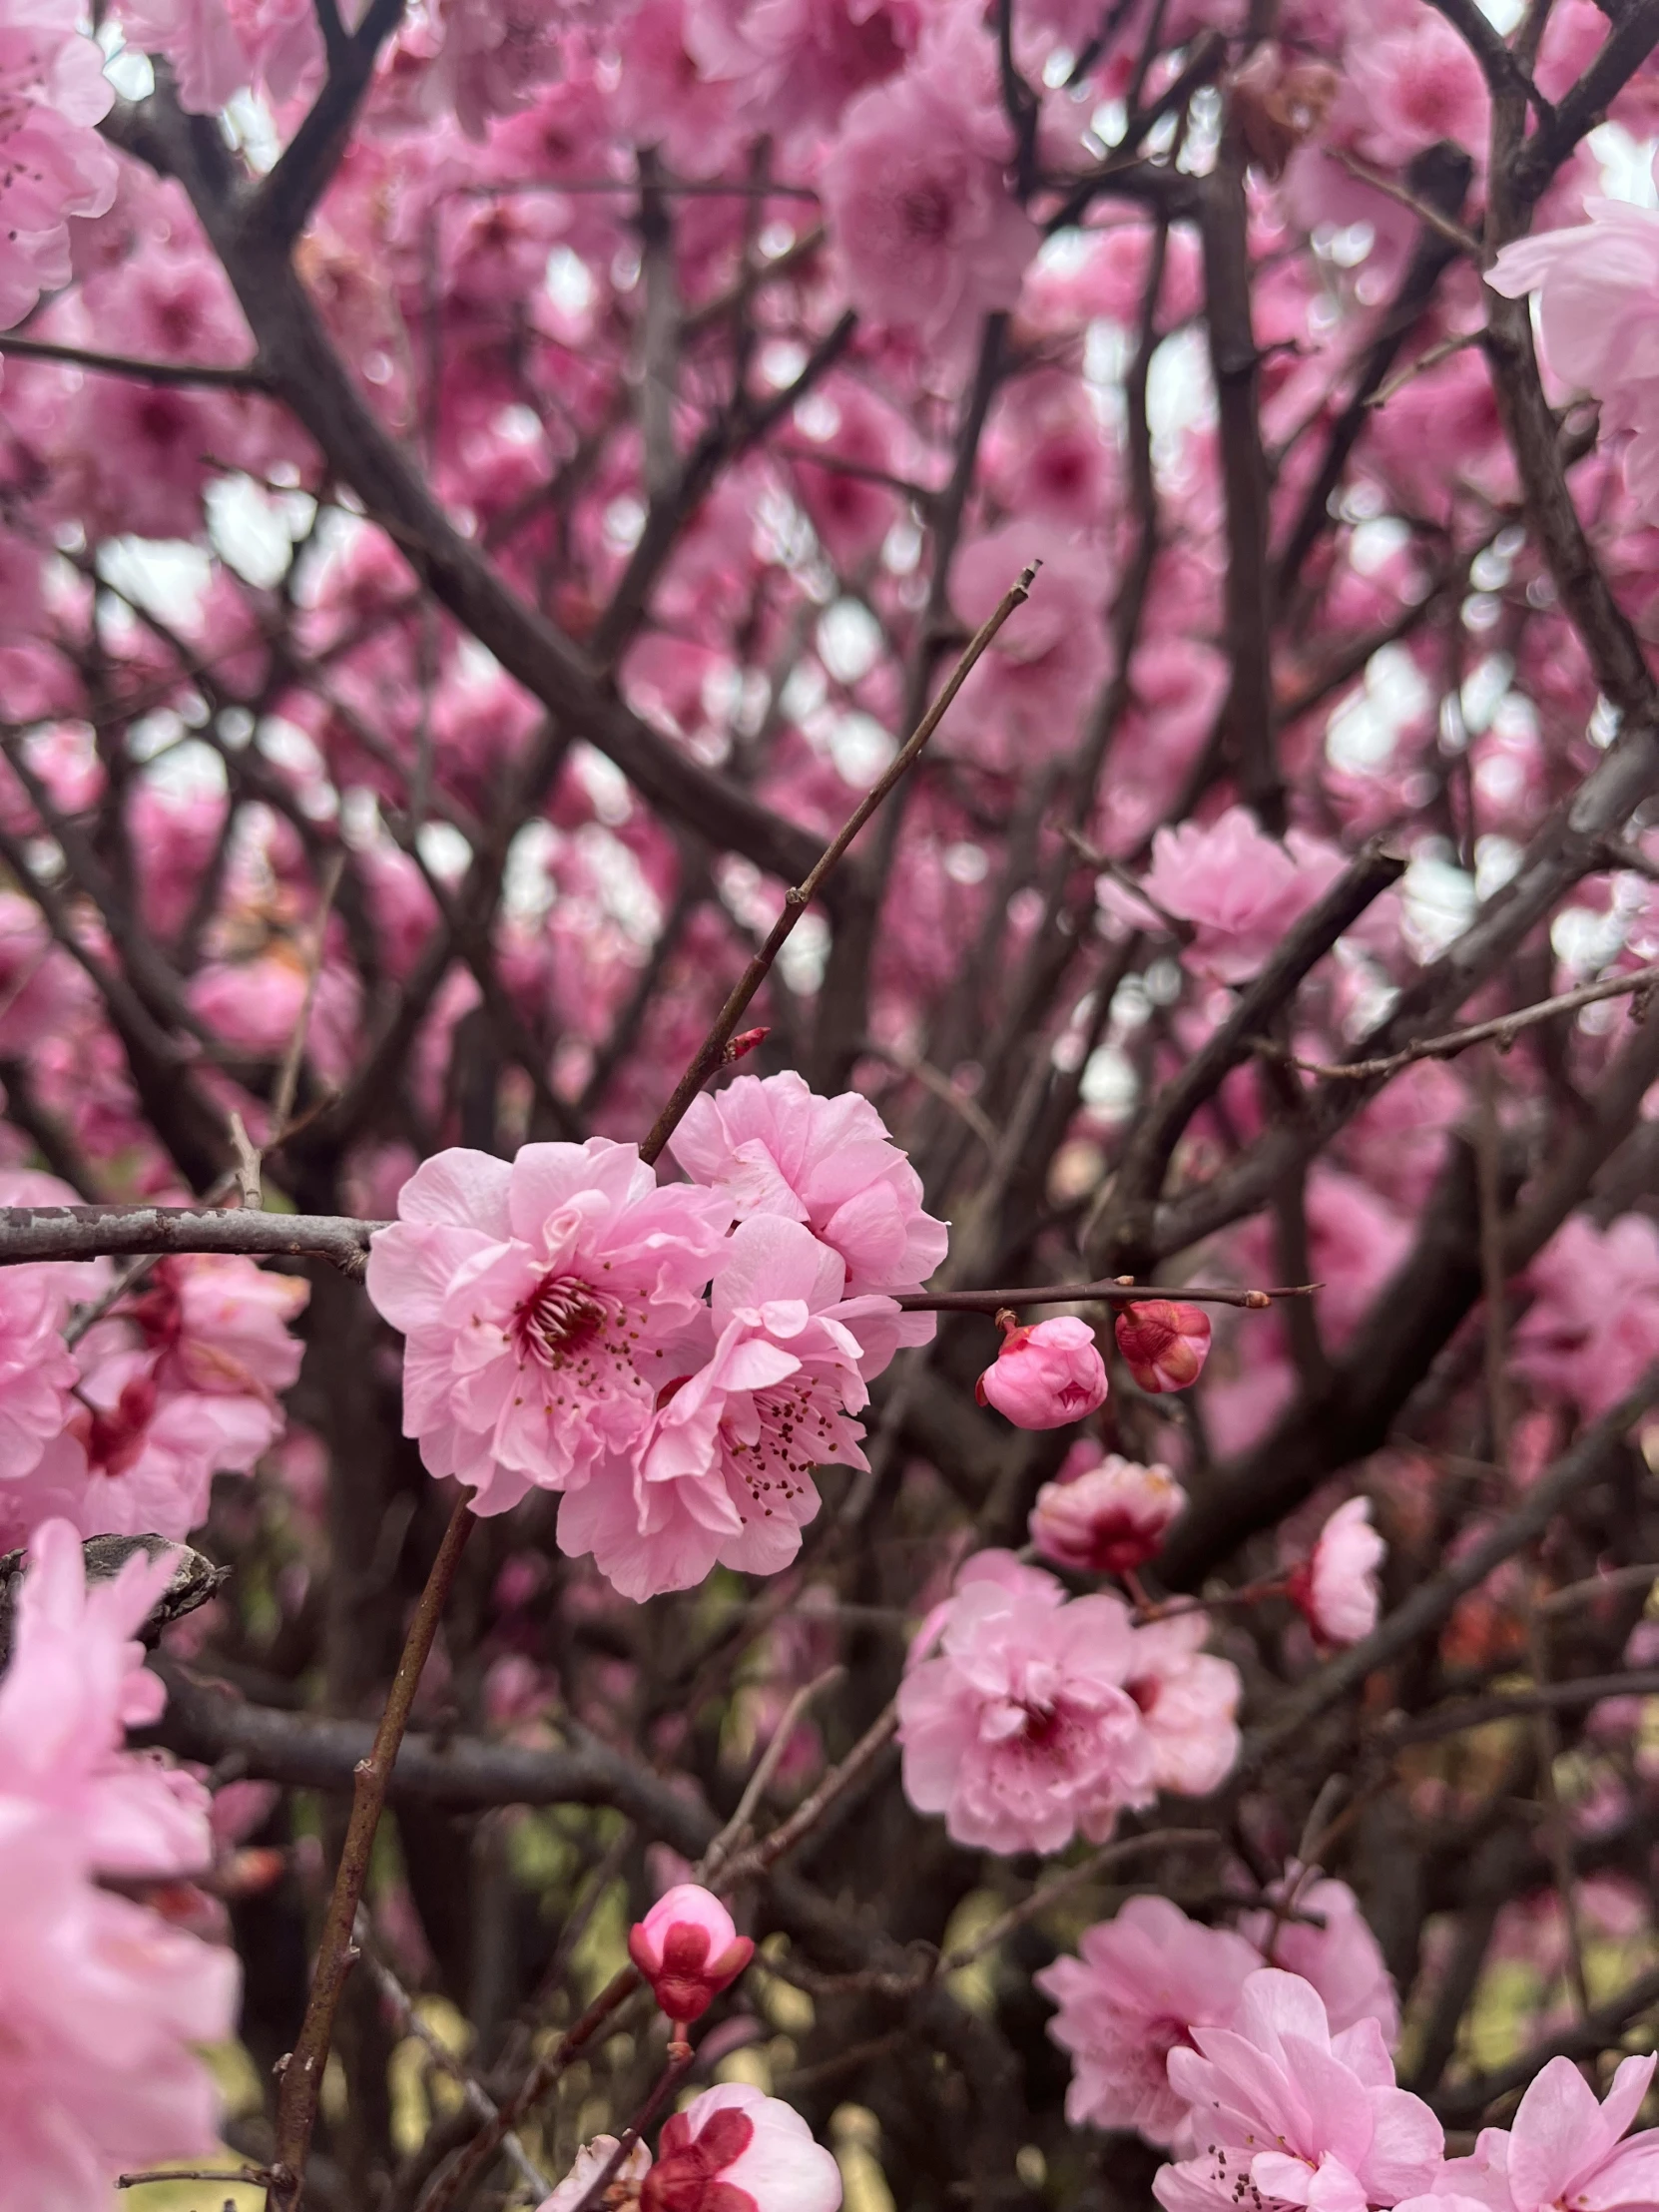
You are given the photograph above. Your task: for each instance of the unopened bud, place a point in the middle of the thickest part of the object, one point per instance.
(742, 1044)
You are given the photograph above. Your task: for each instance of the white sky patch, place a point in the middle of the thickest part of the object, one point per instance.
(253, 530)
(1439, 900)
(167, 577)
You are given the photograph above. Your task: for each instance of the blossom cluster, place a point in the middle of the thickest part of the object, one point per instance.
(181, 1377)
(558, 1335)
(1274, 2081)
(1041, 1717)
(103, 1998)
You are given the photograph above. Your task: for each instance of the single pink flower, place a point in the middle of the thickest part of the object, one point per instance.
(1189, 1700)
(1333, 1947)
(220, 1326)
(1045, 1375)
(53, 93)
(1020, 1732)
(1166, 1342)
(540, 1302)
(1597, 284)
(1564, 2148)
(1143, 1981)
(724, 1470)
(687, 1949)
(1337, 1586)
(1593, 1323)
(1104, 1517)
(1342, 2136)
(1238, 887)
(775, 1146)
(927, 234)
(735, 2149)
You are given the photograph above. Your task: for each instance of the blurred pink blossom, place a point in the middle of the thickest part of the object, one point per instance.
(1337, 1586)
(1022, 1732)
(1143, 1981)
(1104, 1515)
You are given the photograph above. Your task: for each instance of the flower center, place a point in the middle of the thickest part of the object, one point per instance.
(562, 1314)
(926, 214)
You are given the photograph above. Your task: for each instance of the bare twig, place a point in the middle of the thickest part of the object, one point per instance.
(799, 895)
(1501, 1030)
(301, 2082)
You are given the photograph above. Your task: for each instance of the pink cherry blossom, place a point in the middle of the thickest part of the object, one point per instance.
(53, 92)
(1596, 285)
(76, 1681)
(1188, 1699)
(773, 1147)
(794, 64)
(1345, 2136)
(1593, 1323)
(724, 1470)
(926, 234)
(1565, 2148)
(735, 2149)
(540, 1302)
(1165, 1343)
(102, 2000)
(1022, 1732)
(1332, 1946)
(1104, 1515)
(1239, 888)
(37, 1370)
(1336, 1587)
(1144, 1980)
(687, 1949)
(1045, 1375)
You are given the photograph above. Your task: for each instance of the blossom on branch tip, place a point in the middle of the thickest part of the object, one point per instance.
(1046, 1373)
(1165, 1343)
(689, 1950)
(1104, 1515)
(1336, 1587)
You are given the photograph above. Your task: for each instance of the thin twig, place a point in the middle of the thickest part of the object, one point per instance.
(810, 1810)
(759, 1782)
(301, 2081)
(288, 1081)
(797, 897)
(243, 2177)
(250, 377)
(1426, 213)
(1074, 1878)
(1502, 1030)
(409, 2022)
(1118, 1290)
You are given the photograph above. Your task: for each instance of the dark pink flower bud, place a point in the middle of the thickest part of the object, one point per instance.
(1108, 1519)
(1165, 1344)
(744, 1044)
(689, 1950)
(1046, 1375)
